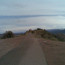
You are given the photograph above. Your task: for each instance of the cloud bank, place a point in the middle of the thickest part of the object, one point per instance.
(23, 24)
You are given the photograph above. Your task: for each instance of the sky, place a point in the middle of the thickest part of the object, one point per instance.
(21, 15)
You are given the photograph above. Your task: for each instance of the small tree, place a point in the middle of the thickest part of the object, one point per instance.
(39, 29)
(8, 34)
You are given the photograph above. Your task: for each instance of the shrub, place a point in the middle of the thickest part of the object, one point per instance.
(8, 34)
(39, 29)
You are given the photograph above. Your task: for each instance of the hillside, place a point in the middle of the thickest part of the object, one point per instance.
(42, 33)
(59, 33)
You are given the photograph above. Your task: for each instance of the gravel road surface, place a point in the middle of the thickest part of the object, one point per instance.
(28, 52)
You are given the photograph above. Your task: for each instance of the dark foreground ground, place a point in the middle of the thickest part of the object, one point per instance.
(29, 50)
(54, 51)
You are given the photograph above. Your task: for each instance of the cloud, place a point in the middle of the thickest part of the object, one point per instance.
(22, 24)
(15, 5)
(29, 16)
(29, 7)
(16, 29)
(11, 4)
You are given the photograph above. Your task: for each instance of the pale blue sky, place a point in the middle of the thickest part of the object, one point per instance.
(32, 7)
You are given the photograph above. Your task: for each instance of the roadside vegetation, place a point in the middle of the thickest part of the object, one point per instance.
(8, 34)
(42, 33)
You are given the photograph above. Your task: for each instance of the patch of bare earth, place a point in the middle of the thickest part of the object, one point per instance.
(7, 45)
(54, 51)
(16, 54)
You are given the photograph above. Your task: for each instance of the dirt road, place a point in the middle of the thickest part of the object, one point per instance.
(28, 52)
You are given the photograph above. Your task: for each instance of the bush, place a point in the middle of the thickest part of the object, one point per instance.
(8, 34)
(39, 29)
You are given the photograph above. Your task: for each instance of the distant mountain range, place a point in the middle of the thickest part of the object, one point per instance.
(16, 34)
(57, 31)
(60, 33)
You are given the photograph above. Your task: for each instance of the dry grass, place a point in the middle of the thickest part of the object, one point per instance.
(54, 51)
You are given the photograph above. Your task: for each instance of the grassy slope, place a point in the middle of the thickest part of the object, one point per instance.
(54, 51)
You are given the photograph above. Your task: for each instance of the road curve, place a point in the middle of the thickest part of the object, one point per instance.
(29, 52)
